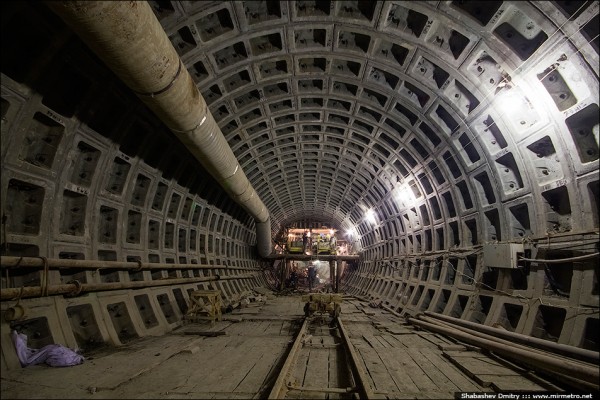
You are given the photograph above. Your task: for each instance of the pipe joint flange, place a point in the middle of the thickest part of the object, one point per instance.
(189, 131)
(78, 288)
(140, 265)
(167, 87)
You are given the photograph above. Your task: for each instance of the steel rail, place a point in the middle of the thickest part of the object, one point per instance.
(283, 385)
(360, 376)
(280, 388)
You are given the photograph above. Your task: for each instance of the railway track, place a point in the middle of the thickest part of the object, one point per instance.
(322, 364)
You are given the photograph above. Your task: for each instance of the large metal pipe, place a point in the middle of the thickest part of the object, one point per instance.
(130, 40)
(76, 288)
(54, 263)
(516, 352)
(571, 351)
(320, 257)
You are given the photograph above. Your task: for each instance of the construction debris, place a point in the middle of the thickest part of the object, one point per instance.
(265, 292)
(256, 297)
(375, 303)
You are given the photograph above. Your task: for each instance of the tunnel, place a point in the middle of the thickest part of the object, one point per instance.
(157, 152)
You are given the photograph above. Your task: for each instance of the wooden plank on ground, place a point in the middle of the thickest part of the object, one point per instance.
(422, 395)
(190, 395)
(205, 333)
(332, 371)
(452, 347)
(233, 366)
(414, 341)
(355, 330)
(399, 330)
(357, 318)
(339, 371)
(451, 371)
(274, 328)
(263, 328)
(187, 380)
(413, 370)
(270, 354)
(370, 339)
(432, 370)
(398, 372)
(240, 328)
(488, 367)
(287, 328)
(299, 369)
(461, 353)
(376, 369)
(394, 341)
(515, 383)
(317, 373)
(436, 339)
(390, 341)
(480, 368)
(383, 343)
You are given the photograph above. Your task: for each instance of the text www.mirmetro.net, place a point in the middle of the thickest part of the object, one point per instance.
(523, 395)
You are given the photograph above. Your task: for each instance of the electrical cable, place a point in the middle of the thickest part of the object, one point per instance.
(518, 296)
(561, 260)
(554, 285)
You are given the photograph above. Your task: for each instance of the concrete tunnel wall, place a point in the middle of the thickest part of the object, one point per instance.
(332, 109)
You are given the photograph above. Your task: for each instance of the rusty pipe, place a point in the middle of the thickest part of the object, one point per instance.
(76, 288)
(129, 39)
(57, 263)
(517, 352)
(307, 257)
(570, 351)
(15, 313)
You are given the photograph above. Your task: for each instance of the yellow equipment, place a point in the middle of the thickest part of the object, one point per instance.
(322, 303)
(295, 246)
(324, 247)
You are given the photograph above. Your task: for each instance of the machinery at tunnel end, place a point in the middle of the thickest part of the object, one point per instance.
(319, 305)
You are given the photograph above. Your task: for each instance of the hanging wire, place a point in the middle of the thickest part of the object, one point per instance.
(518, 295)
(441, 259)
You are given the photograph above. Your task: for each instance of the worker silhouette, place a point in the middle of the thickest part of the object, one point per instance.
(312, 275)
(304, 241)
(293, 281)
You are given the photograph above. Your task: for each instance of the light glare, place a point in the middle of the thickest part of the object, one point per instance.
(370, 216)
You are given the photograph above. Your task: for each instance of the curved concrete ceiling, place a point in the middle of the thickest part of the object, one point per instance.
(453, 123)
(477, 118)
